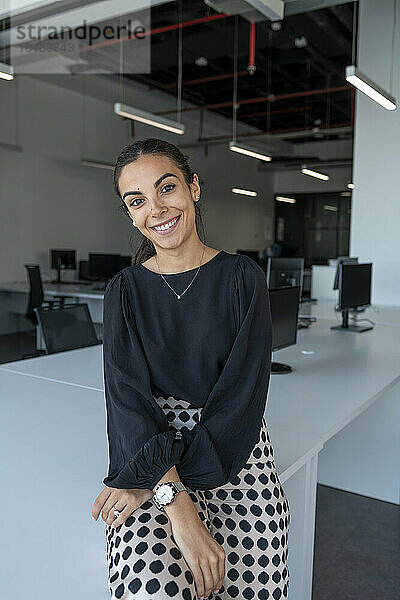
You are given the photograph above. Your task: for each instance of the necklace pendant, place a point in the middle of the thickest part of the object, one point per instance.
(179, 297)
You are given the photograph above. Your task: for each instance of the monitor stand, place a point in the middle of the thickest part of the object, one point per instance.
(277, 367)
(58, 280)
(346, 327)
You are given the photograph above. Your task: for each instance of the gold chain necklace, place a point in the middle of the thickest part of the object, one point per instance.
(179, 296)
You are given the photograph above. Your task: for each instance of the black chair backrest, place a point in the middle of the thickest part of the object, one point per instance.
(67, 328)
(36, 296)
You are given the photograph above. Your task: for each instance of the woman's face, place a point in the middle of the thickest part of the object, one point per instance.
(155, 192)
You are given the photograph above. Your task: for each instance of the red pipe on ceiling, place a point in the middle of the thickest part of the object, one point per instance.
(271, 98)
(252, 66)
(206, 79)
(190, 23)
(281, 111)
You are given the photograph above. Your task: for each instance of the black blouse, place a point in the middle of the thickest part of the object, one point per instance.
(211, 348)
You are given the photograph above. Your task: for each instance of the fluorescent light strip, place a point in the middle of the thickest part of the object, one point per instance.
(369, 87)
(350, 186)
(248, 152)
(285, 199)
(87, 162)
(142, 116)
(20, 6)
(329, 207)
(8, 146)
(6, 72)
(314, 174)
(245, 192)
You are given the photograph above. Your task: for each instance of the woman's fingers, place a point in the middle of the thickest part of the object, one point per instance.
(221, 568)
(125, 501)
(217, 569)
(110, 499)
(99, 502)
(113, 503)
(115, 521)
(208, 578)
(198, 579)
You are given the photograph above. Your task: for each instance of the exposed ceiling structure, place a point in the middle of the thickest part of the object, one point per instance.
(298, 84)
(290, 71)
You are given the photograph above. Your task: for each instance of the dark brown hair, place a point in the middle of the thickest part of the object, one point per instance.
(130, 154)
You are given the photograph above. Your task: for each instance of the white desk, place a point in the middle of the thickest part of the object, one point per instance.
(14, 300)
(334, 420)
(79, 290)
(325, 309)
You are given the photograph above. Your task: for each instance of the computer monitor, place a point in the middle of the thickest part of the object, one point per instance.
(282, 272)
(284, 302)
(354, 292)
(83, 269)
(343, 260)
(103, 266)
(62, 259)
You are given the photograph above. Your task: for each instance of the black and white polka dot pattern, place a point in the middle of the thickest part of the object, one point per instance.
(179, 413)
(248, 517)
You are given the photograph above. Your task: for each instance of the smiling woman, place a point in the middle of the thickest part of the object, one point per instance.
(176, 180)
(187, 360)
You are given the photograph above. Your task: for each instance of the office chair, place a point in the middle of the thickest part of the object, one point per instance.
(36, 300)
(66, 327)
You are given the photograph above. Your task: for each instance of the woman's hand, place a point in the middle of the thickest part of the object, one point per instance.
(126, 501)
(204, 556)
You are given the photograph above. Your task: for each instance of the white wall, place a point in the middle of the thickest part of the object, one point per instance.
(375, 225)
(48, 199)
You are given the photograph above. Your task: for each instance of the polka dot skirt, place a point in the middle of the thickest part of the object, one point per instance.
(248, 517)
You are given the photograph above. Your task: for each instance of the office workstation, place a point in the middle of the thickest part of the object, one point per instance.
(19, 299)
(292, 188)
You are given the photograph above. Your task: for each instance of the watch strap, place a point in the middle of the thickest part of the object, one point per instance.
(177, 486)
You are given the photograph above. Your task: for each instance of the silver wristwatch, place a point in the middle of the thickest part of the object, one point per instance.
(165, 493)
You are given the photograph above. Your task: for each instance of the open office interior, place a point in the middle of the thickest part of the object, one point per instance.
(288, 111)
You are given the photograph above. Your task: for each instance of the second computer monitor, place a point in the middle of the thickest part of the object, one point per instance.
(282, 272)
(343, 260)
(355, 285)
(103, 265)
(63, 259)
(284, 303)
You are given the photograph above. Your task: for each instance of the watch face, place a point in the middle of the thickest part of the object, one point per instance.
(165, 494)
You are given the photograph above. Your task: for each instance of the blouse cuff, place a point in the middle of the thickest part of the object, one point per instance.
(201, 467)
(150, 463)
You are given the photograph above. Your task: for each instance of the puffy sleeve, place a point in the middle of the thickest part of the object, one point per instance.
(219, 445)
(141, 445)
